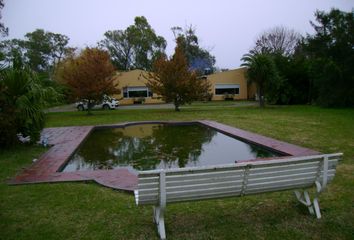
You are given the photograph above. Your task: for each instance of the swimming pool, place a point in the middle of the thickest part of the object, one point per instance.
(161, 146)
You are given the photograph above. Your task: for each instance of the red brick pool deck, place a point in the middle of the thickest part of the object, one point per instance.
(65, 140)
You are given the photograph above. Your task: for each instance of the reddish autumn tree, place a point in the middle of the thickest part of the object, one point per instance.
(89, 75)
(172, 79)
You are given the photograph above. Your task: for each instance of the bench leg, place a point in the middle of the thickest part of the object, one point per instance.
(313, 206)
(160, 221)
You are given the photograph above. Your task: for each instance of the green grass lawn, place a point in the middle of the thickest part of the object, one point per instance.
(90, 211)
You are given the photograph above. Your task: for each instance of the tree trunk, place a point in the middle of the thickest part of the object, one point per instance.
(176, 106)
(261, 97)
(262, 102)
(89, 105)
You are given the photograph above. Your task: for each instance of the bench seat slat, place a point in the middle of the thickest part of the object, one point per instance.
(203, 174)
(278, 188)
(185, 182)
(204, 186)
(233, 170)
(270, 184)
(279, 177)
(144, 179)
(286, 171)
(147, 201)
(200, 192)
(283, 186)
(204, 180)
(195, 186)
(148, 191)
(205, 196)
(183, 195)
(265, 168)
(143, 186)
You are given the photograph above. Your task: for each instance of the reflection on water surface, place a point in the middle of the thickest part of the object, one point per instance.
(155, 146)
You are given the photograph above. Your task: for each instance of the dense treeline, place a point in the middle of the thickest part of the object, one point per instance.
(316, 69)
(312, 69)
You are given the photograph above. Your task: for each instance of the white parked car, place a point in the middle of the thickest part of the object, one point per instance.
(107, 103)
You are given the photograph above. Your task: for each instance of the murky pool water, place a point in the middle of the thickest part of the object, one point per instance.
(154, 146)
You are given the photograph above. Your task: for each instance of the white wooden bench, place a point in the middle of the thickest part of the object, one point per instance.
(158, 187)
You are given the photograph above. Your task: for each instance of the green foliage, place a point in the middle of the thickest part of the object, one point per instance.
(7, 127)
(11, 49)
(331, 52)
(173, 80)
(315, 69)
(198, 58)
(296, 72)
(136, 47)
(293, 84)
(40, 50)
(263, 72)
(88, 76)
(120, 47)
(45, 49)
(4, 31)
(22, 101)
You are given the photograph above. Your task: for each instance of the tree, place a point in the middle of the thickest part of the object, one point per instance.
(331, 55)
(136, 47)
(22, 99)
(296, 83)
(17, 48)
(11, 49)
(45, 49)
(198, 59)
(120, 47)
(279, 40)
(89, 76)
(283, 45)
(40, 50)
(261, 71)
(173, 80)
(4, 31)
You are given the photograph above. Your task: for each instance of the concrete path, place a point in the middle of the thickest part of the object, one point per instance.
(72, 108)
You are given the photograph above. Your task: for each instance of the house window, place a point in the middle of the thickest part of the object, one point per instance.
(125, 92)
(136, 92)
(224, 89)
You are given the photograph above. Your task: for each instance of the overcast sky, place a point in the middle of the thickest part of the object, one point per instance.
(227, 28)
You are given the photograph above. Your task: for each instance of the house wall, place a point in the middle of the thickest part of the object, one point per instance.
(135, 78)
(252, 91)
(236, 76)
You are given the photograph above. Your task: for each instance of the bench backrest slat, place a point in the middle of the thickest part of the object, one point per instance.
(234, 180)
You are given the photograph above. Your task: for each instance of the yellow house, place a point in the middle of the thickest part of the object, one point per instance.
(225, 85)
(230, 84)
(133, 88)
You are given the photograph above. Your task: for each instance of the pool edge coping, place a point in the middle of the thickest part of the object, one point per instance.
(122, 179)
